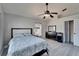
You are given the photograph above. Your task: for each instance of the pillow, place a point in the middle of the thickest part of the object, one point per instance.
(18, 35)
(27, 34)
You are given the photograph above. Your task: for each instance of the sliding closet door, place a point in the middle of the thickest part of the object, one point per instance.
(71, 23)
(66, 31)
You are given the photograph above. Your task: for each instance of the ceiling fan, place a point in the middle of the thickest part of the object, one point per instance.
(48, 13)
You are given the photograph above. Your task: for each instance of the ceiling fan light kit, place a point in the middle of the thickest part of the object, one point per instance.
(46, 15)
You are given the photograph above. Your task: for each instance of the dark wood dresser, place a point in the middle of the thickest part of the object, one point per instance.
(58, 36)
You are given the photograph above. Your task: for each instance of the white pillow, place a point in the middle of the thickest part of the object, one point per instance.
(27, 34)
(18, 34)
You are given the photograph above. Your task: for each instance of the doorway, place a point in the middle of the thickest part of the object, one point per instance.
(69, 31)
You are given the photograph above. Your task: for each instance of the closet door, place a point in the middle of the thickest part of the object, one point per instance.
(76, 32)
(66, 31)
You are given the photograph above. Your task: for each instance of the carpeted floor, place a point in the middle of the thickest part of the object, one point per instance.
(57, 49)
(62, 49)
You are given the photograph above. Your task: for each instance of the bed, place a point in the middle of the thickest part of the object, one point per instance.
(23, 43)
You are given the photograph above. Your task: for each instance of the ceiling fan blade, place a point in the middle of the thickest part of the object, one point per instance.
(44, 17)
(54, 13)
(64, 9)
(51, 16)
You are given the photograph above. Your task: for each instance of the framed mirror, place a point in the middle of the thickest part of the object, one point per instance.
(52, 28)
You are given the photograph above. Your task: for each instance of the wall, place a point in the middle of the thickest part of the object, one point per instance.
(60, 23)
(16, 21)
(76, 35)
(1, 34)
(1, 29)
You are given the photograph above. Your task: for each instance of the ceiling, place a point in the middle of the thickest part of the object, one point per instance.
(32, 10)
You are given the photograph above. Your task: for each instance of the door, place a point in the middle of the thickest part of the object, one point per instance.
(76, 32)
(71, 27)
(69, 31)
(66, 31)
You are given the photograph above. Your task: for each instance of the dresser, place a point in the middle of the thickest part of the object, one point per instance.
(58, 36)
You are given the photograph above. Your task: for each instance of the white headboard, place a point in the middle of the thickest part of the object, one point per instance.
(20, 30)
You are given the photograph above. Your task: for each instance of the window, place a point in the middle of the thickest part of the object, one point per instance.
(37, 29)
